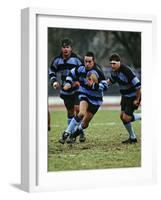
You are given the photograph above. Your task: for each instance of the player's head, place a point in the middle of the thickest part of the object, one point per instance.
(66, 47)
(115, 61)
(89, 60)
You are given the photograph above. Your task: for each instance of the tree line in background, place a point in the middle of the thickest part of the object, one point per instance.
(101, 43)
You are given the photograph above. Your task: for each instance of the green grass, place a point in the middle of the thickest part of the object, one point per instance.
(102, 149)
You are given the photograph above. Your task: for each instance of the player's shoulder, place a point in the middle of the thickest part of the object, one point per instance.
(125, 69)
(128, 72)
(76, 56)
(80, 69)
(52, 61)
(58, 57)
(99, 70)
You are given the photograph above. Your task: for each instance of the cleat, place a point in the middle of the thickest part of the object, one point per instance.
(129, 141)
(71, 139)
(61, 141)
(76, 134)
(49, 128)
(63, 137)
(82, 137)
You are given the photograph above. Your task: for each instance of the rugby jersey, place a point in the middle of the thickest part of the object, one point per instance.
(63, 66)
(93, 94)
(127, 81)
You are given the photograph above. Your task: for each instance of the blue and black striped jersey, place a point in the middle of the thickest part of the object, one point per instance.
(94, 94)
(63, 66)
(127, 81)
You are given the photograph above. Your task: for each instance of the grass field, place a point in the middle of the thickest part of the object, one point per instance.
(102, 149)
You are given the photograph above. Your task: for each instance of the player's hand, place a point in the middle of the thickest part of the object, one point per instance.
(76, 84)
(136, 103)
(108, 82)
(67, 86)
(56, 85)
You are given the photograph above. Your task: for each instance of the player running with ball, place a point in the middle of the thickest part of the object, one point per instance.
(92, 84)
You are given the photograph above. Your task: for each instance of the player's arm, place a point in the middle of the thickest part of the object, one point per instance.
(109, 82)
(136, 84)
(138, 97)
(68, 82)
(102, 86)
(111, 79)
(71, 80)
(52, 76)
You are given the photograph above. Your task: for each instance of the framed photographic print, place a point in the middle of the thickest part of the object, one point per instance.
(75, 132)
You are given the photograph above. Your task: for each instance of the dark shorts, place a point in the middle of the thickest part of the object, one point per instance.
(127, 105)
(70, 100)
(91, 107)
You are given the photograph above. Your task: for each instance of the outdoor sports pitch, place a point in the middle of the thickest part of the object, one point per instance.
(103, 148)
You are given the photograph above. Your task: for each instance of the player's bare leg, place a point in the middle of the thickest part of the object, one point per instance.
(126, 119)
(76, 120)
(84, 124)
(79, 133)
(76, 109)
(70, 115)
(82, 109)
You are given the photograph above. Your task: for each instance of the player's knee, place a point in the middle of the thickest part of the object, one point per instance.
(70, 112)
(121, 116)
(126, 118)
(81, 114)
(76, 108)
(85, 125)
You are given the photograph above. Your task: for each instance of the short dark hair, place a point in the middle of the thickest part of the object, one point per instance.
(90, 54)
(115, 57)
(66, 42)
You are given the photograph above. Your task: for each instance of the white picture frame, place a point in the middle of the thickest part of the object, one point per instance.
(34, 174)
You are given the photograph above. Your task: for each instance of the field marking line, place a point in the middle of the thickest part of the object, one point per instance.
(93, 124)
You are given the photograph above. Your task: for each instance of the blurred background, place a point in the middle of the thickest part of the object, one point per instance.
(102, 44)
